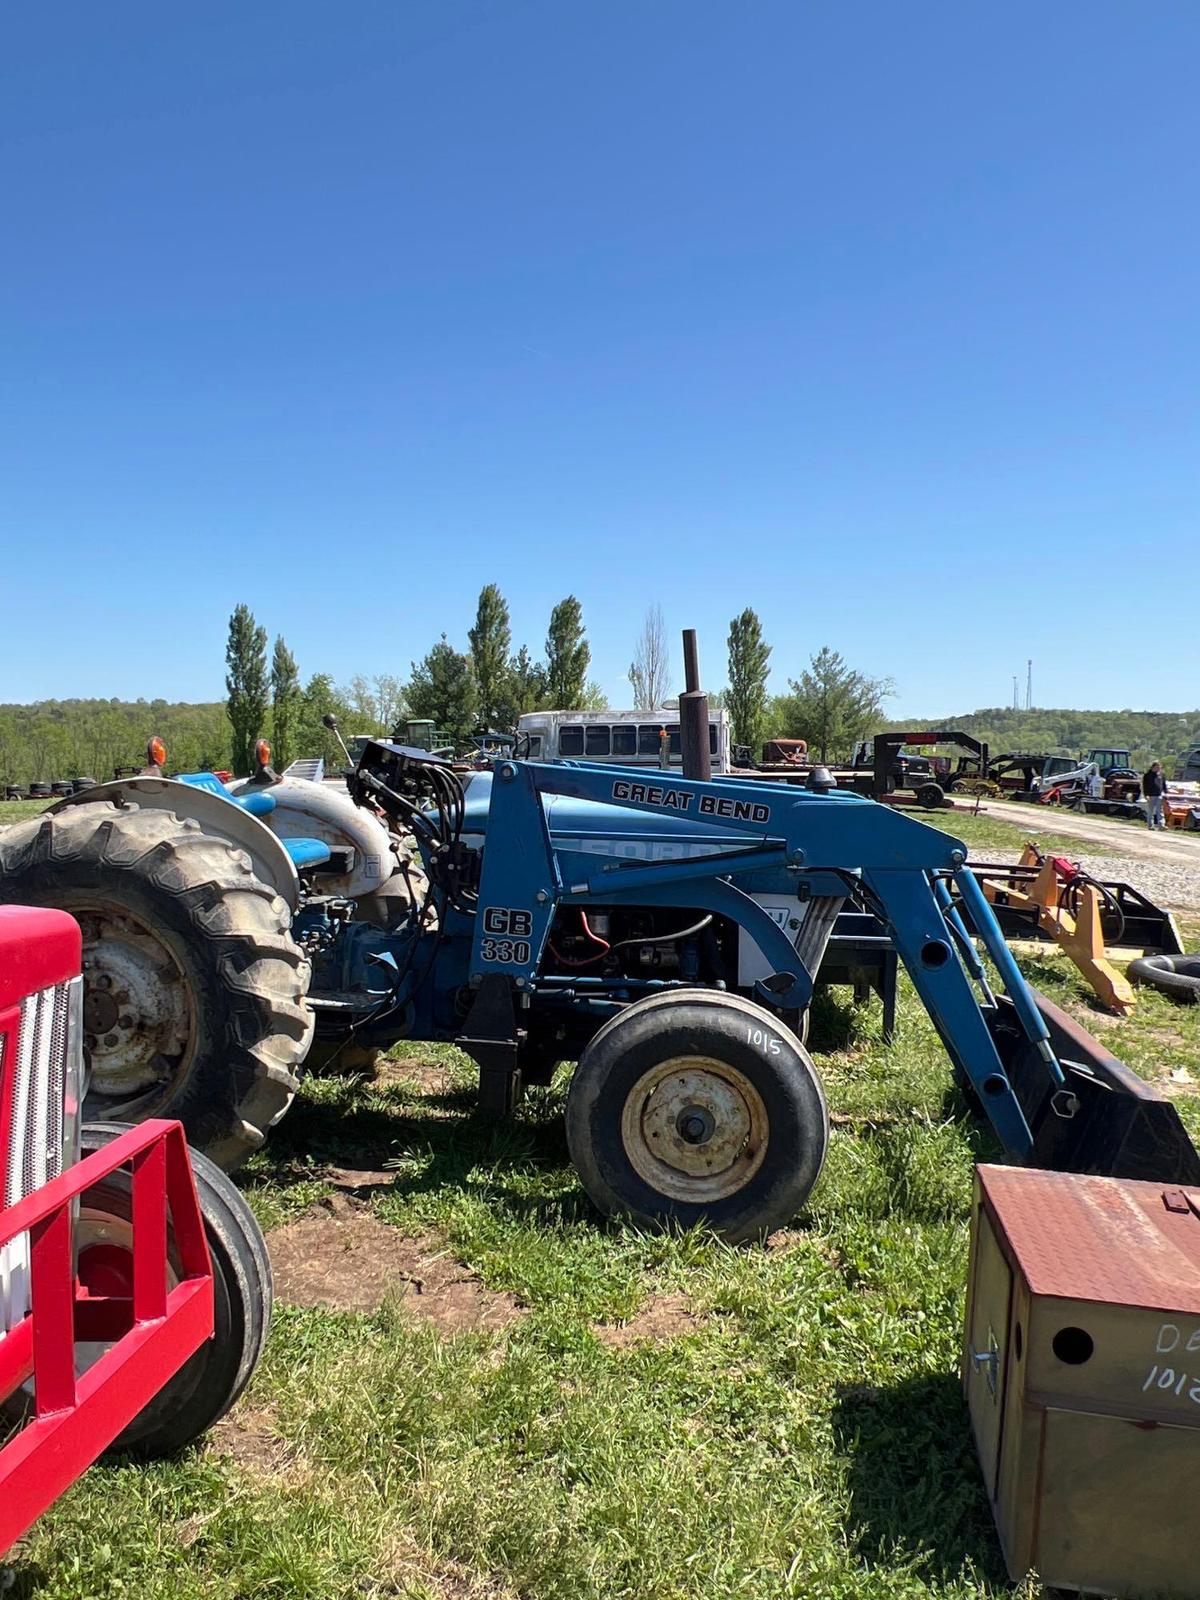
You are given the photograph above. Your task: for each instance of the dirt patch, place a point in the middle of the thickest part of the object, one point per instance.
(356, 1180)
(663, 1317)
(1094, 1019)
(250, 1436)
(784, 1239)
(345, 1259)
(427, 1077)
(413, 1568)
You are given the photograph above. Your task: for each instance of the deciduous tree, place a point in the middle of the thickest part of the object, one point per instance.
(649, 671)
(285, 697)
(490, 639)
(567, 656)
(746, 696)
(246, 684)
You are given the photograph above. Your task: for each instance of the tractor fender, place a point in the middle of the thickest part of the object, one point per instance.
(219, 818)
(307, 810)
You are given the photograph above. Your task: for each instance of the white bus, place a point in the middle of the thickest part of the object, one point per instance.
(618, 738)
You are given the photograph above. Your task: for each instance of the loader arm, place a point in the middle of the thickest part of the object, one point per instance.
(898, 867)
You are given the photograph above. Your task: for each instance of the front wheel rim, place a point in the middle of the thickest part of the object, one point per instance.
(695, 1129)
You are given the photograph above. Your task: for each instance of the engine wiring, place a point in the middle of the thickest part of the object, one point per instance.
(626, 944)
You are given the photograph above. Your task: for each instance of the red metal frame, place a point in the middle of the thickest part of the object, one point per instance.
(40, 947)
(154, 1330)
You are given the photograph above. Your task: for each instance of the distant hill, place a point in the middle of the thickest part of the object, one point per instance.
(88, 738)
(1148, 735)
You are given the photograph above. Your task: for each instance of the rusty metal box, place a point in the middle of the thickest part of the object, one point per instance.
(1082, 1375)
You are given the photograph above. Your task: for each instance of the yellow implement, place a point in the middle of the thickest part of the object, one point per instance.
(1067, 904)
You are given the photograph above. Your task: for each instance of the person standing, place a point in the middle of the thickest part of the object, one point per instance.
(1154, 787)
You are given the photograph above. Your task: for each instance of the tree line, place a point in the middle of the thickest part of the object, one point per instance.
(488, 685)
(830, 704)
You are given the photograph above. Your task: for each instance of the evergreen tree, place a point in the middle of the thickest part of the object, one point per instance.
(746, 696)
(567, 656)
(524, 689)
(246, 683)
(832, 705)
(490, 639)
(443, 689)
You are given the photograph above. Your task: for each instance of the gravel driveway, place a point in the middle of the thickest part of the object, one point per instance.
(1131, 840)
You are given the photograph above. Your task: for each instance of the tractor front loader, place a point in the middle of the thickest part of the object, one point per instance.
(663, 932)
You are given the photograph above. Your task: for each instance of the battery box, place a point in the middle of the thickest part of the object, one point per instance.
(1082, 1375)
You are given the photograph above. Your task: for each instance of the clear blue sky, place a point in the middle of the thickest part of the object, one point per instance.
(879, 318)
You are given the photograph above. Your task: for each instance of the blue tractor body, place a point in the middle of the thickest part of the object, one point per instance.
(566, 898)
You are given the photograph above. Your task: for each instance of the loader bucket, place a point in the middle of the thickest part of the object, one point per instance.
(1105, 1119)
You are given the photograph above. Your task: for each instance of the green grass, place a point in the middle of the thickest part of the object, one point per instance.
(18, 810)
(982, 832)
(804, 1436)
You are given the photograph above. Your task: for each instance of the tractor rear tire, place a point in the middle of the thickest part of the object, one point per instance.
(194, 991)
(205, 1387)
(697, 1108)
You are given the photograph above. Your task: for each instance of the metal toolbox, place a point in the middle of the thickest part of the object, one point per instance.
(1082, 1375)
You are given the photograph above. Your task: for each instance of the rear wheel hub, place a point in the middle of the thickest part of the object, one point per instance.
(137, 1006)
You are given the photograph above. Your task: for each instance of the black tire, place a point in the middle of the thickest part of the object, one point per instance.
(930, 796)
(1178, 976)
(214, 1021)
(205, 1387)
(203, 1390)
(612, 1118)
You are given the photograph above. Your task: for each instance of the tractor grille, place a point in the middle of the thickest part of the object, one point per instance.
(35, 1071)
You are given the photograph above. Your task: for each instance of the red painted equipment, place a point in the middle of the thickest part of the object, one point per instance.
(91, 1329)
(152, 1331)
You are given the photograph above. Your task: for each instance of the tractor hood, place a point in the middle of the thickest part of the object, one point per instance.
(587, 828)
(620, 831)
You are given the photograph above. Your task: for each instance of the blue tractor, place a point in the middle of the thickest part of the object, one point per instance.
(662, 932)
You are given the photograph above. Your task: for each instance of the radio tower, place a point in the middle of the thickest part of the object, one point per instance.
(1029, 685)
(1016, 695)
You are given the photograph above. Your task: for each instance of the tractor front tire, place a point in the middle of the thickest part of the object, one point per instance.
(194, 991)
(698, 1107)
(205, 1387)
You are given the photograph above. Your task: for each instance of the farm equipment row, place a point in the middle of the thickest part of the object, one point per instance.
(663, 932)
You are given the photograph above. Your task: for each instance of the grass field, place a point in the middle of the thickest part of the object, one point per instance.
(18, 810)
(547, 1407)
(982, 832)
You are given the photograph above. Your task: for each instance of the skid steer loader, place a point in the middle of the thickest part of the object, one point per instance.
(663, 932)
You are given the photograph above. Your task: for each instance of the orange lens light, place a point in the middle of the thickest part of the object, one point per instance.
(262, 753)
(157, 751)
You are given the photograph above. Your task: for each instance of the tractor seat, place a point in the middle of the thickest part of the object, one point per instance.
(306, 854)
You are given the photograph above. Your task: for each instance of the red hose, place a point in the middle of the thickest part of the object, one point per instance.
(588, 961)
